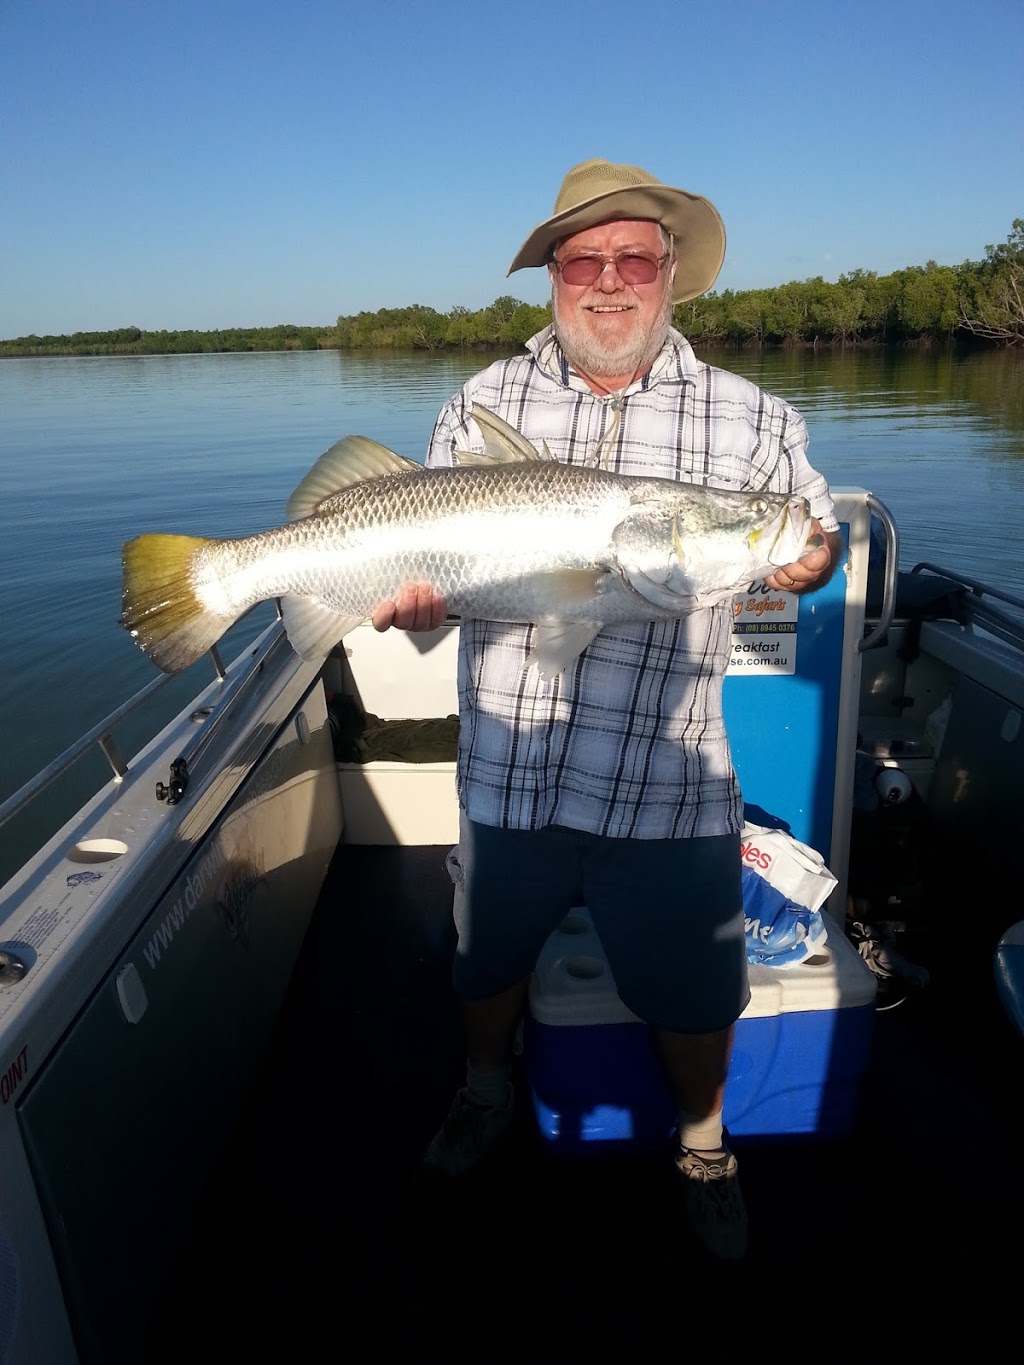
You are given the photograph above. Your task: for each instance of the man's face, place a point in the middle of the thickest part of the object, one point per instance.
(609, 328)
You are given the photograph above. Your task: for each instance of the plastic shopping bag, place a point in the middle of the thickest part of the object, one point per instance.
(785, 884)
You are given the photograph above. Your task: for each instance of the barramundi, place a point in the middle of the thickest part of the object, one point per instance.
(510, 534)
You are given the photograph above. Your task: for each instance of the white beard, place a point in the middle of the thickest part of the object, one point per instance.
(632, 355)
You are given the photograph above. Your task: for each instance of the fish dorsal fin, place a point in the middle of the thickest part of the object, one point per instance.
(463, 459)
(502, 443)
(354, 459)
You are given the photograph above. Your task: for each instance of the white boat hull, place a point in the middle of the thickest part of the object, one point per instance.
(158, 942)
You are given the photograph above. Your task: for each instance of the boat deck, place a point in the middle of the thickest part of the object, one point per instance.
(319, 1238)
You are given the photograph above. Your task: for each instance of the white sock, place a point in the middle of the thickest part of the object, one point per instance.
(700, 1135)
(489, 1084)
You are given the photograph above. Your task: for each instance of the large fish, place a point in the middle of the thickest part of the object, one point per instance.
(509, 535)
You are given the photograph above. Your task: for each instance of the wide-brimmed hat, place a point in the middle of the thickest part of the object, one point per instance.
(599, 191)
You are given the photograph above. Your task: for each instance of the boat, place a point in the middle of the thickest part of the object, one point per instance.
(227, 1030)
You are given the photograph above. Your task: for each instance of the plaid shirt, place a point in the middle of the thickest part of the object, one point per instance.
(629, 740)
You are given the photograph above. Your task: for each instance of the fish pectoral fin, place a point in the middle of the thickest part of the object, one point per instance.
(352, 460)
(502, 443)
(557, 643)
(553, 591)
(313, 629)
(570, 585)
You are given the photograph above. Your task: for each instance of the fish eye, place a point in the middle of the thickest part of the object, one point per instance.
(760, 505)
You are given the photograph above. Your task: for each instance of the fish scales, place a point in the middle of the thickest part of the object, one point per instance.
(511, 535)
(477, 534)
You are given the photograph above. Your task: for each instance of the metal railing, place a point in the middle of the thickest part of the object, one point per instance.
(101, 736)
(981, 604)
(877, 635)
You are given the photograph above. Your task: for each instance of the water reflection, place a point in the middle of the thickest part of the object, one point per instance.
(933, 383)
(939, 437)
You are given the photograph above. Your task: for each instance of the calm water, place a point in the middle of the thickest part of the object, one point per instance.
(94, 451)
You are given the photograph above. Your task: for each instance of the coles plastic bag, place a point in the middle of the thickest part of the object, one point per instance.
(785, 884)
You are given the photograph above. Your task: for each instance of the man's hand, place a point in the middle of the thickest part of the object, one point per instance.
(814, 567)
(416, 607)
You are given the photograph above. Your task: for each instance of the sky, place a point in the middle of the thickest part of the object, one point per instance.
(243, 163)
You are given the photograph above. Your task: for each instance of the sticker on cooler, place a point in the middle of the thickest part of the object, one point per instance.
(763, 631)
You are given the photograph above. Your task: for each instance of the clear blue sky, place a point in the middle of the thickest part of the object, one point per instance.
(217, 163)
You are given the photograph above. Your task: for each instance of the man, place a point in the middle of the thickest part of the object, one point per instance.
(614, 782)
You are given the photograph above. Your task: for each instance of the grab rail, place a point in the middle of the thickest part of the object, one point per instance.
(892, 573)
(999, 623)
(975, 584)
(102, 735)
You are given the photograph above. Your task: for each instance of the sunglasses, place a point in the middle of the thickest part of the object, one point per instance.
(632, 267)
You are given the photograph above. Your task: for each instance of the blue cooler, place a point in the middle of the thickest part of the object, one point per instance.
(801, 1048)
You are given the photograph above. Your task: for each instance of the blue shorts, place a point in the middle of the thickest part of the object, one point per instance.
(669, 913)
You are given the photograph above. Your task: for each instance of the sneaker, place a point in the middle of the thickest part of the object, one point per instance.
(714, 1203)
(468, 1134)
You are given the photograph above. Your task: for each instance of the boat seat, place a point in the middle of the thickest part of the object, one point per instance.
(1009, 969)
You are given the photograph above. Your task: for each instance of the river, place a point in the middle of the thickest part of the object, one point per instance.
(96, 450)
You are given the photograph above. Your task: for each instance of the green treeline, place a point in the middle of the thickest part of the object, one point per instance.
(134, 341)
(979, 301)
(505, 323)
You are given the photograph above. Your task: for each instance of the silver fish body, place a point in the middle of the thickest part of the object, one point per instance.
(510, 536)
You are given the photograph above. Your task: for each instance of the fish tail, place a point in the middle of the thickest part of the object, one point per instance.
(160, 603)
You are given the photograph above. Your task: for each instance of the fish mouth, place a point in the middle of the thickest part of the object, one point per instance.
(789, 531)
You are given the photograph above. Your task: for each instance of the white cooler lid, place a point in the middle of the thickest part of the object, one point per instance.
(572, 983)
